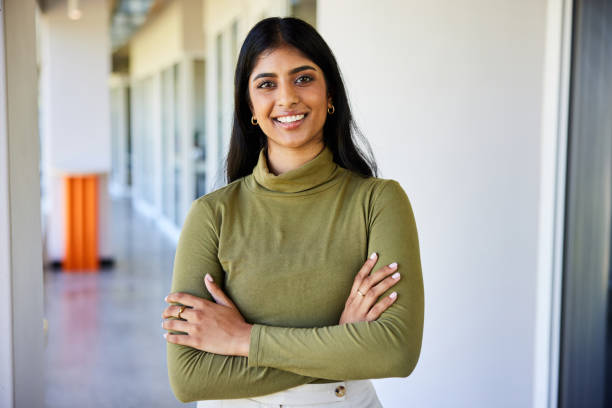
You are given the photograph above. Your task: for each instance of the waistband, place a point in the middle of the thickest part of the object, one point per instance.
(307, 394)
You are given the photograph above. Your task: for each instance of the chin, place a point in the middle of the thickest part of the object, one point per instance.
(292, 142)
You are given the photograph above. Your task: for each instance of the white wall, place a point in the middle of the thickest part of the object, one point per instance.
(449, 94)
(175, 31)
(75, 64)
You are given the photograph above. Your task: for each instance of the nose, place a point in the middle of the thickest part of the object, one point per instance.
(287, 96)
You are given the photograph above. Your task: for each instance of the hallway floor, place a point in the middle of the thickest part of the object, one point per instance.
(105, 346)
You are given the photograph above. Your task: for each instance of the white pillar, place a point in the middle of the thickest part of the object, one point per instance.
(187, 128)
(21, 290)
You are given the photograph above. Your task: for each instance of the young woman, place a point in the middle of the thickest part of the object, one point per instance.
(301, 279)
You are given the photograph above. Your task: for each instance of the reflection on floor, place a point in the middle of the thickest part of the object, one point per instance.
(105, 346)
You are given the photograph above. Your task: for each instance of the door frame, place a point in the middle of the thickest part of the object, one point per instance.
(554, 126)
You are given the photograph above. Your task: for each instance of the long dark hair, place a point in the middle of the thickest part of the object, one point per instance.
(339, 129)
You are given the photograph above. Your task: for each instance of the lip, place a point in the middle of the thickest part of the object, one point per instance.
(291, 125)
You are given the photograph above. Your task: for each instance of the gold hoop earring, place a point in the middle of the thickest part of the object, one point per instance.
(331, 110)
(253, 121)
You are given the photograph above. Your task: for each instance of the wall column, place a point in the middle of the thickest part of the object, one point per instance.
(21, 289)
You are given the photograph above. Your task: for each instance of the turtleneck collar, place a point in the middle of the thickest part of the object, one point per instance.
(312, 175)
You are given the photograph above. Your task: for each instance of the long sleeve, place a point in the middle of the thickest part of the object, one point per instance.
(199, 375)
(387, 347)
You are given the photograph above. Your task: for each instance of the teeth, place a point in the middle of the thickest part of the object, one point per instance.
(289, 119)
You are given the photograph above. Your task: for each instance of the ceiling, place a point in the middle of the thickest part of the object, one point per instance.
(127, 16)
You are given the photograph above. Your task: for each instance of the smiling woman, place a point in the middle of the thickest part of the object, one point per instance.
(274, 297)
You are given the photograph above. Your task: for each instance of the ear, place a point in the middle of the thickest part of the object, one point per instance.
(329, 102)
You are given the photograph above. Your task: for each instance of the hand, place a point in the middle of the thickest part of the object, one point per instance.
(213, 327)
(359, 308)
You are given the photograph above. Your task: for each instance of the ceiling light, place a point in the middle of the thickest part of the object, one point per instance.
(74, 13)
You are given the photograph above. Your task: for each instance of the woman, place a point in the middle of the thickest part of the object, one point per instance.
(272, 301)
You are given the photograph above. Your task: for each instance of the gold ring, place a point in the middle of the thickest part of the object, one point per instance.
(181, 310)
(358, 291)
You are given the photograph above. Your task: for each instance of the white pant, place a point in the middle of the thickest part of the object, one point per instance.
(355, 394)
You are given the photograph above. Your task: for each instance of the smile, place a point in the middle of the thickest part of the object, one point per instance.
(291, 121)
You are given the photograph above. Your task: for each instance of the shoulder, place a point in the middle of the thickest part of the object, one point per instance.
(376, 188)
(221, 196)
(208, 209)
(383, 199)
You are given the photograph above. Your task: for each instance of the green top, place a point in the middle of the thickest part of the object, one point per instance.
(286, 249)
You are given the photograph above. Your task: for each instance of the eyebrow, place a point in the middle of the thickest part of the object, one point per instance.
(293, 71)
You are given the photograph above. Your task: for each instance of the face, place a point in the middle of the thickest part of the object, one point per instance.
(288, 97)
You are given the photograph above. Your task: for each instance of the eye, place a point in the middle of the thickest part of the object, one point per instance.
(302, 79)
(265, 84)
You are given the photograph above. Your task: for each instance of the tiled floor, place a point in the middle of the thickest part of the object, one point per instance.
(105, 346)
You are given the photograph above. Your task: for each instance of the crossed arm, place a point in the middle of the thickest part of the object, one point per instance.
(284, 357)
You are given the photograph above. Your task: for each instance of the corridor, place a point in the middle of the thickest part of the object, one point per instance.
(105, 346)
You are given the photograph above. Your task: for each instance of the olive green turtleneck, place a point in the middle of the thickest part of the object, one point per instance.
(286, 250)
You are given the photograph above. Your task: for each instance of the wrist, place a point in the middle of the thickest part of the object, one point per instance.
(245, 340)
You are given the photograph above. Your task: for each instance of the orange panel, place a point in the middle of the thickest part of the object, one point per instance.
(91, 223)
(81, 197)
(67, 264)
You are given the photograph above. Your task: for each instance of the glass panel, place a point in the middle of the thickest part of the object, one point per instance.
(115, 133)
(235, 44)
(199, 139)
(305, 10)
(148, 141)
(128, 143)
(220, 98)
(143, 149)
(167, 102)
(137, 124)
(177, 143)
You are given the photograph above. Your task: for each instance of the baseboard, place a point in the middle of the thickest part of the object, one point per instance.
(104, 264)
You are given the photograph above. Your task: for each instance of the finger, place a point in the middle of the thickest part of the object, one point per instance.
(173, 310)
(385, 284)
(176, 325)
(374, 292)
(364, 271)
(182, 339)
(381, 306)
(184, 299)
(216, 292)
(378, 276)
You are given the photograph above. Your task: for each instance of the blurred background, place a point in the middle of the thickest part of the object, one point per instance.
(495, 116)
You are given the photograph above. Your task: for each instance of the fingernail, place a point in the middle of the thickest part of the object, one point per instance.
(393, 265)
(166, 298)
(209, 278)
(373, 256)
(395, 275)
(393, 295)
(165, 335)
(162, 325)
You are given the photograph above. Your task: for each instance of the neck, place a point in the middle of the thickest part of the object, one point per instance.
(281, 159)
